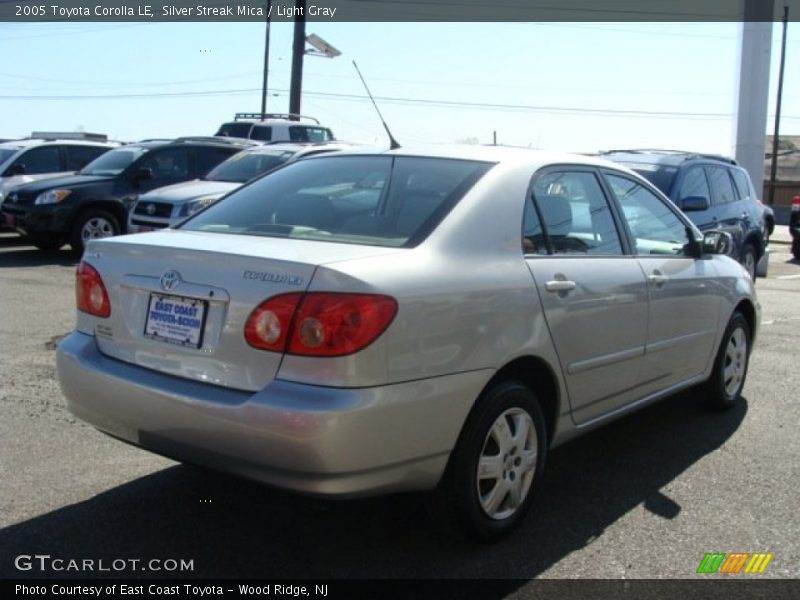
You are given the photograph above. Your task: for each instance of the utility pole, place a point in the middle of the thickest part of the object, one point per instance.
(298, 52)
(774, 166)
(266, 65)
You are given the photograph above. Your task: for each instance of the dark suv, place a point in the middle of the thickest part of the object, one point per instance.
(713, 191)
(95, 202)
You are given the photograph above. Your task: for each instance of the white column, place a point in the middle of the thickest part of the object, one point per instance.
(752, 89)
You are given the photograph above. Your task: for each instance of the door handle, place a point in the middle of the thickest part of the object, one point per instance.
(657, 278)
(560, 285)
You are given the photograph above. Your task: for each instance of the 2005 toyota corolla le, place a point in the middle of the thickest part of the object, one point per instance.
(359, 323)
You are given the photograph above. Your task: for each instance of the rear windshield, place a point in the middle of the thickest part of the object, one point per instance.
(244, 166)
(235, 129)
(660, 176)
(370, 200)
(113, 162)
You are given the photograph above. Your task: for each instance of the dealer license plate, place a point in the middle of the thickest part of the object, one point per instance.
(176, 320)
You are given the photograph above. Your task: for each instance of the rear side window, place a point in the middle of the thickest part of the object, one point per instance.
(80, 156)
(742, 181)
(721, 185)
(208, 158)
(304, 133)
(576, 215)
(371, 200)
(261, 133)
(40, 160)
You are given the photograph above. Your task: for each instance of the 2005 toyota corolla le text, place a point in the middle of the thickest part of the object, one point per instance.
(462, 311)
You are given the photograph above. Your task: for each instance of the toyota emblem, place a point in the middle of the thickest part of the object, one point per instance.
(170, 280)
(150, 209)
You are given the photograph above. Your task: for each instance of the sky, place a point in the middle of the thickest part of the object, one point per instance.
(578, 87)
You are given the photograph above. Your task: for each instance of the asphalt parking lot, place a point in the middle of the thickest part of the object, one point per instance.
(645, 497)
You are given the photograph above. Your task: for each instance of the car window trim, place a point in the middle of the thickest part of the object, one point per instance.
(661, 196)
(607, 194)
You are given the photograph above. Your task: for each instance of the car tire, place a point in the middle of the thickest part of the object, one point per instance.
(496, 466)
(724, 387)
(749, 259)
(92, 224)
(47, 243)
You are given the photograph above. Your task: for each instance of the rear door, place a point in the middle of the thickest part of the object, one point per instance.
(726, 205)
(593, 293)
(684, 302)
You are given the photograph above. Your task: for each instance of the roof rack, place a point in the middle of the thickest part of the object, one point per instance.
(686, 153)
(221, 139)
(260, 117)
(69, 135)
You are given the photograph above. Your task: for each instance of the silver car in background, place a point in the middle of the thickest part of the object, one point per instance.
(414, 319)
(168, 205)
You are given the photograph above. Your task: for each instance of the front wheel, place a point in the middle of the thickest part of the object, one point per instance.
(496, 465)
(724, 387)
(91, 225)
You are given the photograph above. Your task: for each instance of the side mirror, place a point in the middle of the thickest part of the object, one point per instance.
(143, 174)
(694, 203)
(16, 169)
(717, 242)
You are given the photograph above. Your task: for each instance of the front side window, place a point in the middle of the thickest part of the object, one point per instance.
(244, 166)
(372, 200)
(172, 163)
(721, 185)
(235, 129)
(576, 215)
(40, 160)
(304, 133)
(655, 228)
(113, 162)
(694, 184)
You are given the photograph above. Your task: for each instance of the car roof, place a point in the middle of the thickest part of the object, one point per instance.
(302, 147)
(492, 154)
(672, 158)
(31, 142)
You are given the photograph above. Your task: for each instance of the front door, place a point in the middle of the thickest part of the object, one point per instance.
(684, 303)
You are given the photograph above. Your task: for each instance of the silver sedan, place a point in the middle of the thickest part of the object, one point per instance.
(432, 319)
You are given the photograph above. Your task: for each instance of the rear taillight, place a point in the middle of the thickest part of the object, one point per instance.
(90, 293)
(795, 203)
(319, 323)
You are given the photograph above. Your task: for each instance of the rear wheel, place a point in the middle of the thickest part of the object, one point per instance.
(748, 260)
(724, 387)
(496, 465)
(91, 225)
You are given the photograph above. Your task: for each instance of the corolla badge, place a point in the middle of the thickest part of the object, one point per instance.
(170, 280)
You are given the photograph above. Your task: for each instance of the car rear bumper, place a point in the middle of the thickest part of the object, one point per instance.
(319, 440)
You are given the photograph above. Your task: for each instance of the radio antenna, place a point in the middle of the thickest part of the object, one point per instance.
(393, 145)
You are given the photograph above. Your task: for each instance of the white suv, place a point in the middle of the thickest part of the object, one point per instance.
(42, 156)
(276, 128)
